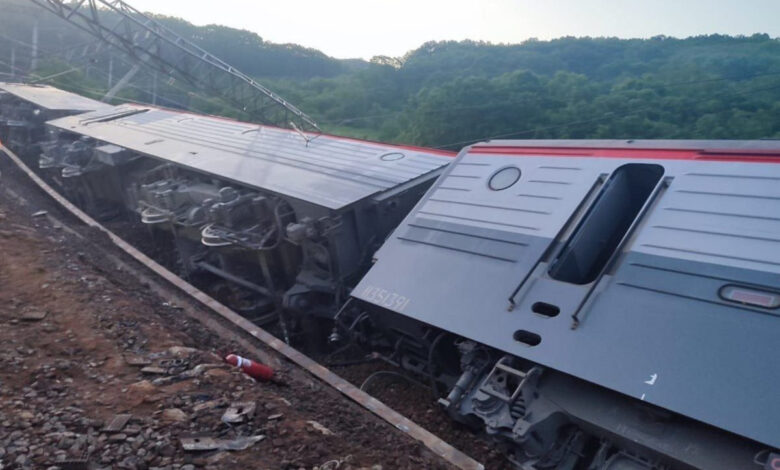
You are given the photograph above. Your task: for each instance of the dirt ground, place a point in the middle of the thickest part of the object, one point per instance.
(82, 341)
(412, 399)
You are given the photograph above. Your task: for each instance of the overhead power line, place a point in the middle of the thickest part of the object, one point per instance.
(100, 92)
(150, 43)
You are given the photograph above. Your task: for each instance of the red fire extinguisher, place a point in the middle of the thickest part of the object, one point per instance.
(251, 368)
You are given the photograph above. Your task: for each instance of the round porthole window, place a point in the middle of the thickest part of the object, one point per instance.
(392, 156)
(504, 178)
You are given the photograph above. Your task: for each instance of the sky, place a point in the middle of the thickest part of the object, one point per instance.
(365, 28)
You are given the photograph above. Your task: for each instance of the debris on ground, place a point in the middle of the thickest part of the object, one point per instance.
(210, 443)
(34, 315)
(239, 412)
(251, 368)
(76, 333)
(318, 427)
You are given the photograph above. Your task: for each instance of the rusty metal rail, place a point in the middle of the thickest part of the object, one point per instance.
(429, 440)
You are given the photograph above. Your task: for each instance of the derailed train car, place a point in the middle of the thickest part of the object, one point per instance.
(609, 304)
(24, 108)
(591, 304)
(291, 219)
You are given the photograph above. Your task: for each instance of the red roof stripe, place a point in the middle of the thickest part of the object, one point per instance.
(724, 155)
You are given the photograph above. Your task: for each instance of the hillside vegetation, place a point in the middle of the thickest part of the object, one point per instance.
(447, 94)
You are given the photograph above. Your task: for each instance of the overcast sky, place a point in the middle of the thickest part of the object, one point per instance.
(365, 28)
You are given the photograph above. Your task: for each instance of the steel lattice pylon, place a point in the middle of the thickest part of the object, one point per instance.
(150, 43)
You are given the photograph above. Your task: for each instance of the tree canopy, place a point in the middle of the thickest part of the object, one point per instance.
(449, 93)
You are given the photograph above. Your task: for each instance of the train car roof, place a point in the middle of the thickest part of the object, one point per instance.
(702, 145)
(682, 312)
(51, 98)
(330, 171)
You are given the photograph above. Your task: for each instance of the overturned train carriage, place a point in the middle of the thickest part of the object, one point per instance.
(609, 304)
(595, 305)
(288, 219)
(24, 108)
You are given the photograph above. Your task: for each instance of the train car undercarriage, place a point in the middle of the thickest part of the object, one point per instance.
(290, 236)
(287, 252)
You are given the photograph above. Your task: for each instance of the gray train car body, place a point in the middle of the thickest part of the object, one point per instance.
(288, 216)
(650, 269)
(24, 108)
(327, 171)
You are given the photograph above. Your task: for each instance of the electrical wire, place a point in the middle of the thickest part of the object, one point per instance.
(380, 373)
(605, 116)
(13, 67)
(119, 57)
(46, 51)
(100, 92)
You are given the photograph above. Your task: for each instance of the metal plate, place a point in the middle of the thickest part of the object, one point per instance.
(333, 172)
(211, 443)
(117, 423)
(654, 327)
(52, 99)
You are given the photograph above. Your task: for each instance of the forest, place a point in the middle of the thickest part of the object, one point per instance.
(449, 94)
